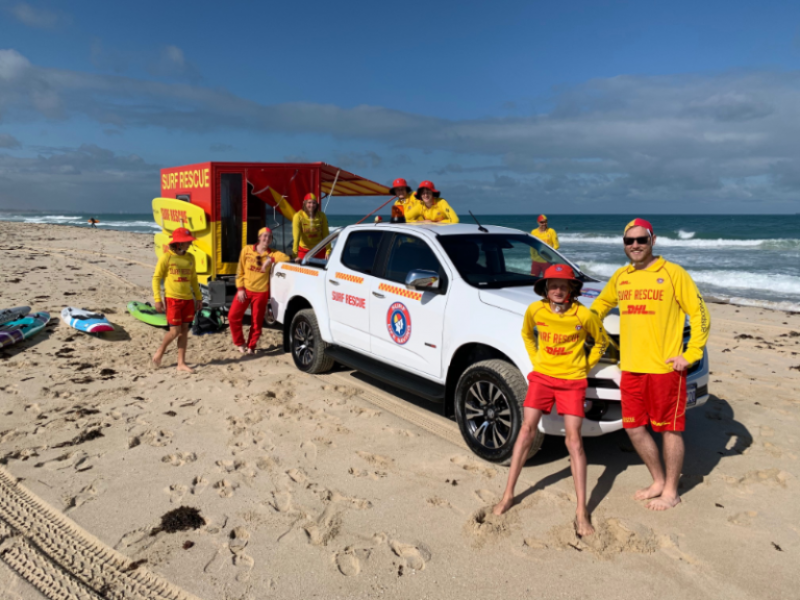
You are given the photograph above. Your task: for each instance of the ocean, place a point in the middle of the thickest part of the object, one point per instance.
(752, 260)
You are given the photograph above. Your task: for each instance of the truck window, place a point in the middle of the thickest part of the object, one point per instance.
(360, 250)
(230, 199)
(408, 253)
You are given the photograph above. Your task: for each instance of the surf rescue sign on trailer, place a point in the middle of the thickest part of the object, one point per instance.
(225, 204)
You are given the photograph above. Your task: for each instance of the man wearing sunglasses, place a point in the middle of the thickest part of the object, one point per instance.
(549, 236)
(654, 296)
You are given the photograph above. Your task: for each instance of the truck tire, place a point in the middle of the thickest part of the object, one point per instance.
(306, 345)
(488, 407)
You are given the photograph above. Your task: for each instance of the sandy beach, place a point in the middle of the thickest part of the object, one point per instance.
(319, 487)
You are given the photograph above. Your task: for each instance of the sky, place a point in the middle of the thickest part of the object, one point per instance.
(509, 107)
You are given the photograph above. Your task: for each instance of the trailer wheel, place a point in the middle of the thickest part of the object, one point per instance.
(306, 345)
(488, 406)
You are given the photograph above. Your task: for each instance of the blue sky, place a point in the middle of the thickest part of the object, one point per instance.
(514, 107)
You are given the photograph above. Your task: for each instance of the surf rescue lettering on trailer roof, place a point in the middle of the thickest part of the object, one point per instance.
(400, 291)
(186, 180)
(398, 323)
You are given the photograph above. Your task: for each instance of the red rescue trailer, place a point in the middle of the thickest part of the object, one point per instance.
(225, 204)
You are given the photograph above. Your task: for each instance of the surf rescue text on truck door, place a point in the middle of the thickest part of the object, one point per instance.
(348, 283)
(406, 326)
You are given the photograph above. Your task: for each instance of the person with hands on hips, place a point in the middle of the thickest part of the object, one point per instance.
(176, 268)
(654, 297)
(252, 283)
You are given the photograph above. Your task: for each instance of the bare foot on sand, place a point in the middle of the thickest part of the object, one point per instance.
(157, 361)
(664, 502)
(583, 525)
(242, 349)
(185, 368)
(251, 351)
(502, 506)
(654, 491)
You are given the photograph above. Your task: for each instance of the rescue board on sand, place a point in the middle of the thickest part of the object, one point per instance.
(147, 314)
(85, 320)
(171, 214)
(201, 259)
(12, 314)
(21, 329)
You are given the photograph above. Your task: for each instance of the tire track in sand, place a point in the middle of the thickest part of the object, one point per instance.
(63, 561)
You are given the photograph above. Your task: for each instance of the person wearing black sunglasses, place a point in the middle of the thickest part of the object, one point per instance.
(654, 296)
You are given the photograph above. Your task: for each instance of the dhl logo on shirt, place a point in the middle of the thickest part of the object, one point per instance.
(541, 324)
(637, 309)
(651, 294)
(557, 351)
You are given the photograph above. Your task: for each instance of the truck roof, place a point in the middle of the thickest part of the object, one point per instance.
(433, 229)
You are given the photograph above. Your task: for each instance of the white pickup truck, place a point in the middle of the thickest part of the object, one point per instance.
(437, 310)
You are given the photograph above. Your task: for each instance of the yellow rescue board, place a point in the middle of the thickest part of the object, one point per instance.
(201, 259)
(171, 214)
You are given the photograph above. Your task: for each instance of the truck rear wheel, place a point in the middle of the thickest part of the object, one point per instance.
(488, 407)
(306, 345)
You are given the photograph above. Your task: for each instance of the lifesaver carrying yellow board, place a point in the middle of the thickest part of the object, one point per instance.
(170, 214)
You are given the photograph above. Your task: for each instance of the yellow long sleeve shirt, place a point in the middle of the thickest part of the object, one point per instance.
(248, 274)
(555, 342)
(439, 212)
(652, 304)
(179, 276)
(308, 232)
(407, 205)
(549, 237)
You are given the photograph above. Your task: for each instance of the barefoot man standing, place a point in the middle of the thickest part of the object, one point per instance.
(654, 297)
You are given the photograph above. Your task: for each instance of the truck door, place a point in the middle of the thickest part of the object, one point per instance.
(349, 280)
(406, 326)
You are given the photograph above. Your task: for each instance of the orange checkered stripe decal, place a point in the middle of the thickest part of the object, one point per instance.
(311, 272)
(347, 277)
(400, 291)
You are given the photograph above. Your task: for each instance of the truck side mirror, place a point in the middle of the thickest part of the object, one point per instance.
(419, 279)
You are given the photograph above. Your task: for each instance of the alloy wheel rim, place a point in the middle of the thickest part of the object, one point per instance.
(487, 413)
(303, 343)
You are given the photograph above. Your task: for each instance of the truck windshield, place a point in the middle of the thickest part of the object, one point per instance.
(498, 260)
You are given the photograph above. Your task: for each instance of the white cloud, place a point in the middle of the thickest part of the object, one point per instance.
(37, 17)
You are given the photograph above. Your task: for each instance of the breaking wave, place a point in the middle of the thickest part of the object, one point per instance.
(687, 242)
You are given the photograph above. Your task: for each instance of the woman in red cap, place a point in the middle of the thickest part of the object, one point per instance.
(432, 208)
(405, 196)
(252, 283)
(177, 270)
(555, 330)
(309, 228)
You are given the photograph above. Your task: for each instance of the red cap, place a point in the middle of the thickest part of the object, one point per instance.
(639, 223)
(264, 230)
(310, 196)
(429, 185)
(180, 235)
(556, 272)
(541, 218)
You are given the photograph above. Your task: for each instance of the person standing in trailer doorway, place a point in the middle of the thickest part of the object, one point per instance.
(309, 228)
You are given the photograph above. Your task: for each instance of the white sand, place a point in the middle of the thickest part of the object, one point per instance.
(309, 490)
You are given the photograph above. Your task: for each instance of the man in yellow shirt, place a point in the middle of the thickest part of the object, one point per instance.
(252, 284)
(432, 209)
(405, 197)
(555, 330)
(177, 270)
(549, 237)
(654, 296)
(309, 228)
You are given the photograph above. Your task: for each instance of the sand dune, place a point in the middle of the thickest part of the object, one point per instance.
(319, 487)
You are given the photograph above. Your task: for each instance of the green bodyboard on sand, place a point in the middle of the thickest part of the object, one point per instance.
(147, 314)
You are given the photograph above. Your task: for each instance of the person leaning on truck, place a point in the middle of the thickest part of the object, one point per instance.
(432, 208)
(654, 296)
(554, 330)
(549, 237)
(252, 284)
(405, 196)
(309, 228)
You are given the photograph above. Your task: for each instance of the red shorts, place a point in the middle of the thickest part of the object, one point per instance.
(301, 253)
(567, 394)
(180, 311)
(655, 398)
(538, 269)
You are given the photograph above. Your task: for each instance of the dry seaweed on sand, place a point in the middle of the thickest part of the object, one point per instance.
(180, 519)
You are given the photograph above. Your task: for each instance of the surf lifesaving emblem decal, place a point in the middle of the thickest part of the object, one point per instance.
(398, 323)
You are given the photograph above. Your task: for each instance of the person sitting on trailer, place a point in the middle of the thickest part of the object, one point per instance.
(309, 228)
(252, 283)
(432, 208)
(405, 196)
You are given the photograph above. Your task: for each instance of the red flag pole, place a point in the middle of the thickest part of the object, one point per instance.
(377, 209)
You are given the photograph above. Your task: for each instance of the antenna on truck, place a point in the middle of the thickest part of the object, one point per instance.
(480, 227)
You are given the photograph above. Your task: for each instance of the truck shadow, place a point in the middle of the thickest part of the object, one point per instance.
(712, 433)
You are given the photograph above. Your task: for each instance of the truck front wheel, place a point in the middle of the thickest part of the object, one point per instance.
(306, 344)
(488, 407)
